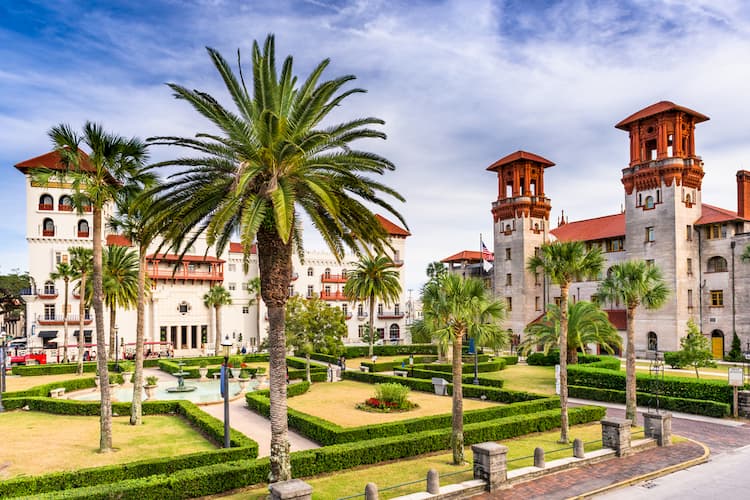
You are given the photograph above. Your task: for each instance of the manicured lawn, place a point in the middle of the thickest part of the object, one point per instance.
(16, 383)
(353, 363)
(36, 443)
(719, 373)
(536, 379)
(336, 402)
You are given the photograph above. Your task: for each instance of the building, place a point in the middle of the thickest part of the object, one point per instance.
(664, 222)
(175, 314)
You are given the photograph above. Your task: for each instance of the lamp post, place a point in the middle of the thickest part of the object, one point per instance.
(226, 348)
(476, 364)
(117, 358)
(3, 355)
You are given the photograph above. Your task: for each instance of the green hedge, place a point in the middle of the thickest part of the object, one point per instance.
(490, 366)
(553, 357)
(466, 379)
(509, 360)
(390, 350)
(42, 390)
(695, 406)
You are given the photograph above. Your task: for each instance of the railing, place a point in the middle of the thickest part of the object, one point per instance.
(332, 296)
(47, 294)
(185, 274)
(295, 276)
(65, 208)
(390, 314)
(333, 278)
(46, 206)
(48, 232)
(83, 234)
(361, 315)
(59, 320)
(27, 291)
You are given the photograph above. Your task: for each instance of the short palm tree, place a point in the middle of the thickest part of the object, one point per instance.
(633, 283)
(120, 285)
(82, 262)
(565, 262)
(587, 324)
(64, 271)
(216, 297)
(374, 279)
(453, 307)
(278, 152)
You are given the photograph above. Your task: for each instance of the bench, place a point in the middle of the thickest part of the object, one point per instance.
(57, 393)
(400, 373)
(216, 375)
(364, 369)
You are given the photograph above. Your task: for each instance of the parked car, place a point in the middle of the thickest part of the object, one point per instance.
(29, 359)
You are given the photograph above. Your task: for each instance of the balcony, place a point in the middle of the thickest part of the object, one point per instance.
(390, 315)
(333, 296)
(184, 274)
(65, 208)
(362, 315)
(48, 232)
(49, 293)
(348, 315)
(83, 234)
(333, 278)
(46, 206)
(59, 320)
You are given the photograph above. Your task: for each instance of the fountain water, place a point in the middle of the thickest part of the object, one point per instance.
(181, 387)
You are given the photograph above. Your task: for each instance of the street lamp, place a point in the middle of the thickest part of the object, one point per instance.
(226, 349)
(117, 358)
(476, 363)
(3, 355)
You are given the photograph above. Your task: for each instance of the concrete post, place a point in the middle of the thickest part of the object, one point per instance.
(616, 435)
(433, 482)
(578, 451)
(490, 464)
(659, 427)
(539, 457)
(294, 489)
(371, 491)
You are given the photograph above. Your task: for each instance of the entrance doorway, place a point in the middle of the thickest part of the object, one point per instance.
(717, 344)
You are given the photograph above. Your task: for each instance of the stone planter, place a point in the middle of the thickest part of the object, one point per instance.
(149, 391)
(126, 377)
(203, 372)
(96, 381)
(235, 372)
(243, 384)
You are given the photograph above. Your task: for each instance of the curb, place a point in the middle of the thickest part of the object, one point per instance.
(651, 475)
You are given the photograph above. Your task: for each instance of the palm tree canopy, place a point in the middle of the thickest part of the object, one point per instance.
(64, 271)
(120, 277)
(374, 278)
(633, 283)
(217, 296)
(82, 262)
(272, 156)
(567, 261)
(436, 269)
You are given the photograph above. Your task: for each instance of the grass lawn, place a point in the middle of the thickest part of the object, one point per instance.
(336, 403)
(719, 373)
(71, 442)
(17, 383)
(352, 482)
(354, 362)
(536, 379)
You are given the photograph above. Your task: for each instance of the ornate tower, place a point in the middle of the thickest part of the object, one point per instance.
(521, 224)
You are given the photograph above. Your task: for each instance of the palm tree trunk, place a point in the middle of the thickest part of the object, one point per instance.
(572, 354)
(372, 324)
(112, 339)
(136, 409)
(105, 421)
(630, 404)
(564, 363)
(307, 367)
(457, 434)
(81, 314)
(65, 323)
(217, 309)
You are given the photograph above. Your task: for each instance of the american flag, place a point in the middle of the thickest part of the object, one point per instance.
(486, 254)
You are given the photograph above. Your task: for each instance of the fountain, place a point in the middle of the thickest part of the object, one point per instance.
(181, 387)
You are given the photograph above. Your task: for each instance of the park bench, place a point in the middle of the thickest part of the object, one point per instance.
(400, 373)
(57, 393)
(364, 369)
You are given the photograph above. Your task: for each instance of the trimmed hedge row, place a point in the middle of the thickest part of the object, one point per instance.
(490, 366)
(695, 406)
(390, 350)
(57, 368)
(466, 379)
(553, 357)
(509, 360)
(43, 389)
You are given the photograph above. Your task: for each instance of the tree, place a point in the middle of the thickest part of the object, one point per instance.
(587, 324)
(312, 325)
(746, 254)
(11, 286)
(735, 353)
(695, 349)
(374, 279)
(633, 283)
(565, 262)
(277, 154)
(436, 270)
(453, 307)
(64, 271)
(216, 297)
(82, 262)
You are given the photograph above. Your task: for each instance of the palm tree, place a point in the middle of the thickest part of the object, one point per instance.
(65, 272)
(216, 297)
(587, 324)
(374, 279)
(120, 285)
(256, 168)
(633, 283)
(111, 170)
(253, 288)
(565, 262)
(436, 270)
(454, 307)
(81, 260)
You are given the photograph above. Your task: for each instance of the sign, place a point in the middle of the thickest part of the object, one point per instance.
(736, 377)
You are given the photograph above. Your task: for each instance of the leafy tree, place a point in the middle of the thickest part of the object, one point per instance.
(420, 334)
(746, 254)
(82, 262)
(312, 325)
(436, 270)
(452, 308)
(695, 349)
(735, 353)
(565, 262)
(11, 286)
(216, 297)
(587, 324)
(633, 283)
(374, 279)
(65, 272)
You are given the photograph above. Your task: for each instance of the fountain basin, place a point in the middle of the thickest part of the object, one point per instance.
(203, 393)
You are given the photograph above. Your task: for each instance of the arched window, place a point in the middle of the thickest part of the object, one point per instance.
(688, 200)
(83, 228)
(343, 273)
(48, 227)
(46, 202)
(309, 271)
(649, 202)
(653, 341)
(717, 265)
(86, 205)
(65, 204)
(49, 288)
(327, 272)
(394, 332)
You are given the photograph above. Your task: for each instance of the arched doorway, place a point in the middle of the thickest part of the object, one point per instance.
(653, 341)
(394, 332)
(717, 344)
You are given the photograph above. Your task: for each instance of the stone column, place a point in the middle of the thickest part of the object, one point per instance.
(294, 489)
(490, 464)
(659, 427)
(616, 435)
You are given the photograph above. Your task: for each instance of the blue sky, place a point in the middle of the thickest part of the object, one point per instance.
(459, 84)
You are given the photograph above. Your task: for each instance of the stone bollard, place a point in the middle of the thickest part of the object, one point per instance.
(294, 489)
(578, 448)
(371, 491)
(659, 427)
(433, 482)
(616, 435)
(539, 458)
(490, 464)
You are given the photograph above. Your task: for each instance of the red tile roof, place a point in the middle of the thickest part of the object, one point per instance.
(711, 215)
(659, 107)
(466, 255)
(391, 228)
(236, 247)
(51, 161)
(519, 155)
(118, 240)
(618, 318)
(608, 226)
(185, 258)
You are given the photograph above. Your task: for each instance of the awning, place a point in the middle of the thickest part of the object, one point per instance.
(48, 334)
(86, 333)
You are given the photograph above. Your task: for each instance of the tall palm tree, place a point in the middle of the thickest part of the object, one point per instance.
(110, 170)
(256, 168)
(565, 262)
(633, 283)
(64, 271)
(82, 262)
(587, 324)
(120, 285)
(454, 307)
(374, 279)
(216, 297)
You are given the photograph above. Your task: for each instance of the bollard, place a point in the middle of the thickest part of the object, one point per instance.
(539, 458)
(578, 448)
(433, 482)
(371, 491)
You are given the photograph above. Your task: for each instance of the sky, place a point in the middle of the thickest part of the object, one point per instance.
(459, 84)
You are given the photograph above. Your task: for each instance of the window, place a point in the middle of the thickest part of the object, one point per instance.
(327, 290)
(717, 298)
(65, 204)
(393, 332)
(507, 254)
(361, 331)
(689, 232)
(615, 245)
(232, 287)
(537, 303)
(309, 271)
(653, 341)
(49, 288)
(343, 273)
(327, 273)
(83, 228)
(310, 291)
(345, 309)
(360, 311)
(232, 268)
(595, 299)
(640, 199)
(291, 290)
(717, 265)
(46, 202)
(650, 262)
(649, 203)
(380, 309)
(245, 310)
(397, 309)
(690, 300)
(508, 279)
(48, 227)
(689, 266)
(537, 279)
(713, 231)
(558, 301)
(650, 234)
(49, 312)
(509, 303)
(537, 251)
(183, 307)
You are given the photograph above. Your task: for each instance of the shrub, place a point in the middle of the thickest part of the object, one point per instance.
(674, 359)
(152, 380)
(541, 359)
(490, 366)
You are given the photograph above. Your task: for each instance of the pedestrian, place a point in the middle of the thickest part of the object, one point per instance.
(374, 358)
(330, 372)
(244, 350)
(342, 361)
